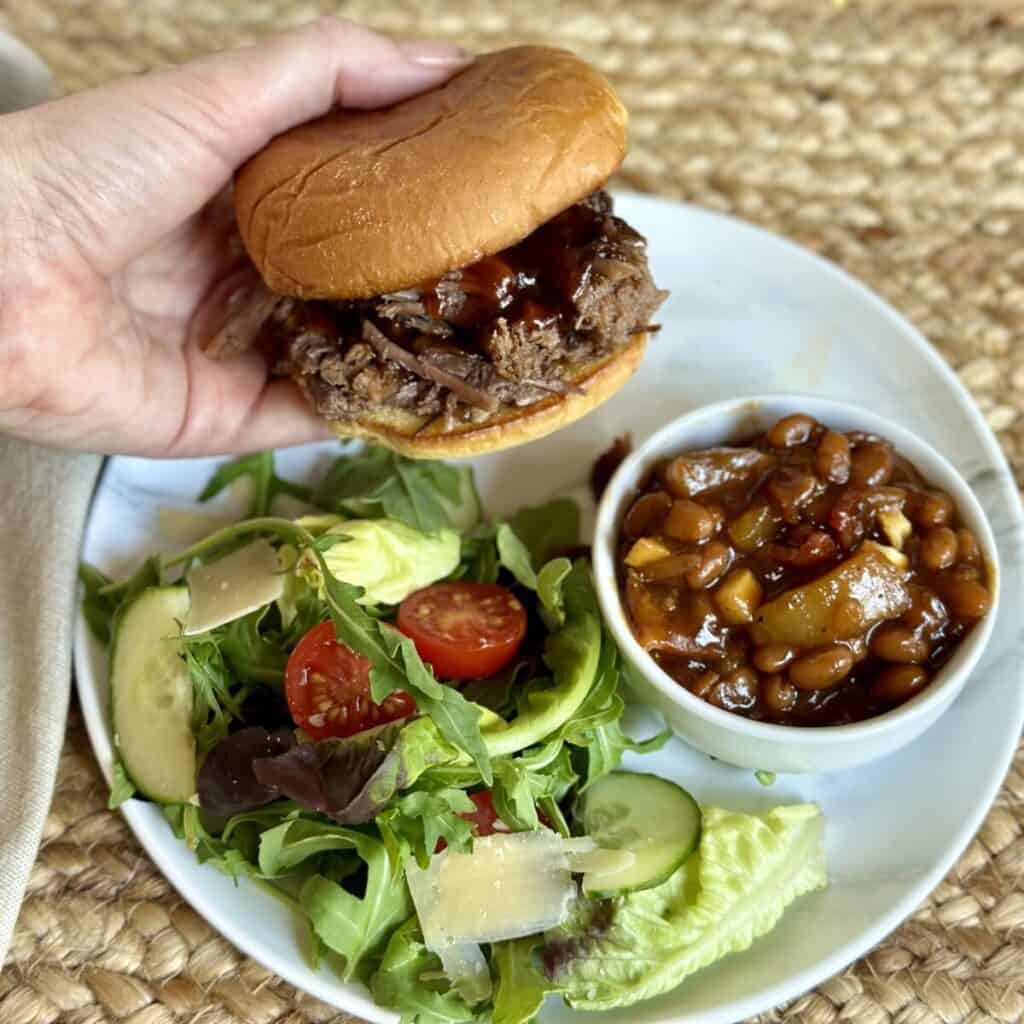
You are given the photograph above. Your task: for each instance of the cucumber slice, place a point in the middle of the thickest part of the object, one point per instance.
(652, 818)
(151, 694)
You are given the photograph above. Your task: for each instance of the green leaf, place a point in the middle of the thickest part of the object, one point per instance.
(548, 529)
(97, 609)
(479, 558)
(104, 599)
(395, 665)
(765, 778)
(266, 484)
(217, 700)
(549, 592)
(377, 482)
(513, 795)
(121, 786)
(522, 985)
(733, 890)
(515, 557)
(352, 779)
(418, 820)
(411, 982)
(252, 655)
(354, 927)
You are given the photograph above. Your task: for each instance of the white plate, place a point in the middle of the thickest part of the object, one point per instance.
(749, 313)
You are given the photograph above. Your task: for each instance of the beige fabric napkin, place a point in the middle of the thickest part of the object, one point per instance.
(44, 496)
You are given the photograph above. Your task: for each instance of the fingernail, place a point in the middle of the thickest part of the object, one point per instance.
(434, 53)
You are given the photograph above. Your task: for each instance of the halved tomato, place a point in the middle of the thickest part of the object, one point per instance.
(464, 630)
(328, 688)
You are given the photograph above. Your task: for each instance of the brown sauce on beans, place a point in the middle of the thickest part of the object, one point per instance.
(804, 576)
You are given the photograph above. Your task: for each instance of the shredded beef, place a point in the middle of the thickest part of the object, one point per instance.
(508, 330)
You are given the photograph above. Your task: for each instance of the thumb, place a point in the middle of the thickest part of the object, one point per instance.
(124, 164)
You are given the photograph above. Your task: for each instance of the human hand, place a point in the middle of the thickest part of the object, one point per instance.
(118, 243)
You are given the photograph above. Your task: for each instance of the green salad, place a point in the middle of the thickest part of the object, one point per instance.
(404, 719)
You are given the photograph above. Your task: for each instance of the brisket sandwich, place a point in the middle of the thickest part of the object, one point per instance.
(446, 276)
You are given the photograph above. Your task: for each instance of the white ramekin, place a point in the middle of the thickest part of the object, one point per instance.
(731, 737)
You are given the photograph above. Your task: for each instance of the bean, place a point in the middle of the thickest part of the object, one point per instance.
(701, 686)
(938, 548)
(791, 431)
(779, 695)
(926, 609)
(646, 515)
(822, 668)
(790, 489)
(900, 645)
(691, 521)
(933, 508)
(897, 684)
(735, 692)
(773, 657)
(715, 558)
(871, 464)
(966, 599)
(832, 459)
(967, 549)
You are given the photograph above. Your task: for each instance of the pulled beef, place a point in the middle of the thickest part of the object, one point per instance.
(508, 330)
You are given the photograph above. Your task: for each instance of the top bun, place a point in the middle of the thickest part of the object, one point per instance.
(358, 203)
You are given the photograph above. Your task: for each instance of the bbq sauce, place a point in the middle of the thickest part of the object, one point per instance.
(535, 282)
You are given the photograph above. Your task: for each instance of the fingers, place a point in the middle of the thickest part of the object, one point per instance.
(122, 165)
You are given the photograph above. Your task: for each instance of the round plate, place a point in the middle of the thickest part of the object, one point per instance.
(749, 313)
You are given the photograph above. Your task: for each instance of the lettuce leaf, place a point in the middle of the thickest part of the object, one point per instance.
(547, 529)
(747, 870)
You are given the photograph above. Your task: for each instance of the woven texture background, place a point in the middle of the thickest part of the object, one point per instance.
(888, 137)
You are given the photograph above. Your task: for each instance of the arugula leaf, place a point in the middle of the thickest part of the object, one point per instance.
(548, 528)
(411, 982)
(397, 666)
(479, 557)
(513, 795)
(354, 927)
(418, 820)
(497, 692)
(515, 557)
(522, 985)
(542, 774)
(216, 699)
(104, 599)
(549, 592)
(253, 656)
(97, 608)
(266, 484)
(121, 786)
(379, 483)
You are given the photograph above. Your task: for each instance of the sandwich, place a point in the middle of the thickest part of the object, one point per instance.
(447, 276)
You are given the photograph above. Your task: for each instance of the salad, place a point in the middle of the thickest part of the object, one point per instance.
(404, 719)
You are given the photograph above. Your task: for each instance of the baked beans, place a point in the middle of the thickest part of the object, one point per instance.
(806, 576)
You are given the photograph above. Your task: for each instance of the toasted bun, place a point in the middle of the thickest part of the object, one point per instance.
(427, 439)
(360, 203)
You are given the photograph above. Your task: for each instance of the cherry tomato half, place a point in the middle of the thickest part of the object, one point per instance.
(464, 630)
(328, 688)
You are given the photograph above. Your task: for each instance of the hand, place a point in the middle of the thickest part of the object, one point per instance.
(116, 228)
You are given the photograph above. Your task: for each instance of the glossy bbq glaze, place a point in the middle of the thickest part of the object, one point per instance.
(803, 577)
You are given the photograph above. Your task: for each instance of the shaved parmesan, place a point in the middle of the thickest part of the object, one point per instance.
(465, 967)
(511, 885)
(233, 586)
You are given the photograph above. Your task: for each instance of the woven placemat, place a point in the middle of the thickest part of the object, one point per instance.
(888, 137)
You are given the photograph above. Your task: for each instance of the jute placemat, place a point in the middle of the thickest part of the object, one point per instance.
(887, 136)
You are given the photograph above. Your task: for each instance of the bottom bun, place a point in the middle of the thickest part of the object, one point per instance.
(422, 438)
